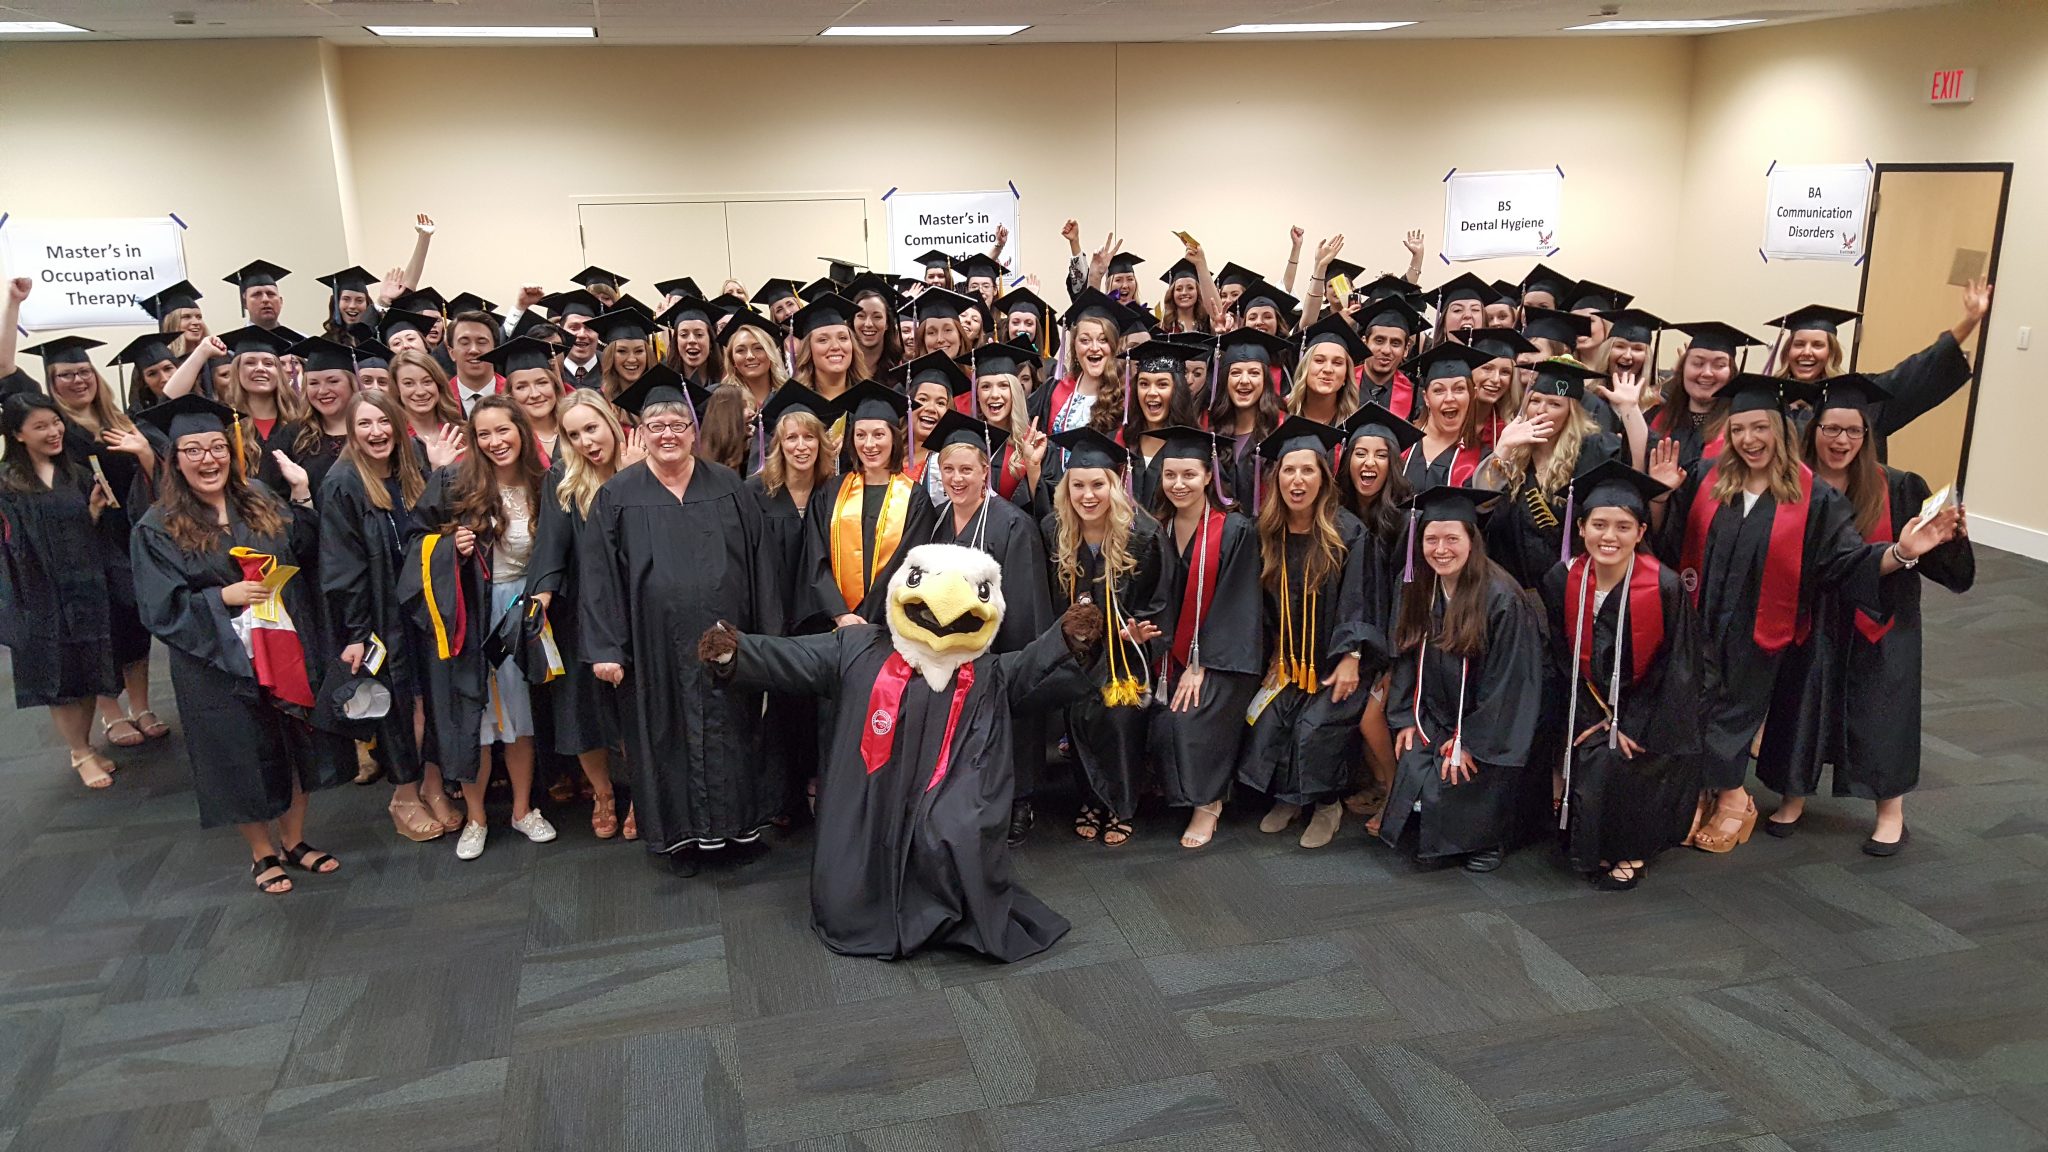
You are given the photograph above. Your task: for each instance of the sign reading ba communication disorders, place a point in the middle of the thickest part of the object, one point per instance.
(1488, 214)
(87, 273)
(956, 223)
(1816, 211)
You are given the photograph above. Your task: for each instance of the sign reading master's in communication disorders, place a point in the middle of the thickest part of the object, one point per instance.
(955, 223)
(88, 273)
(1816, 211)
(1501, 213)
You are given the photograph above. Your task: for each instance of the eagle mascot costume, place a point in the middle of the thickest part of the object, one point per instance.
(914, 796)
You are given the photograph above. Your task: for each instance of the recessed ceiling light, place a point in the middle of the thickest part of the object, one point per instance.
(1350, 26)
(32, 27)
(895, 30)
(1658, 25)
(503, 33)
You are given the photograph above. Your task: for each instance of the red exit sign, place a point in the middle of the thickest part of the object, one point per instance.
(1952, 86)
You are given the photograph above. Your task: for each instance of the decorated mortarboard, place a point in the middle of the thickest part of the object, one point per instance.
(574, 302)
(1004, 358)
(1087, 448)
(678, 286)
(794, 397)
(323, 355)
(521, 354)
(1633, 325)
(1241, 344)
(1464, 286)
(1334, 329)
(960, 428)
(745, 318)
(1445, 361)
(939, 368)
(1451, 502)
(396, 319)
(1391, 312)
(774, 289)
(277, 341)
(146, 349)
(1376, 420)
(979, 264)
(1543, 278)
(1566, 328)
(1849, 390)
(1500, 343)
(872, 400)
(841, 270)
(936, 259)
(1169, 355)
(1586, 296)
(164, 301)
(64, 350)
(1124, 262)
(1755, 392)
(660, 384)
(1300, 434)
(256, 274)
(689, 308)
(622, 324)
(1614, 484)
(1714, 336)
(188, 415)
(1183, 269)
(1561, 376)
(1815, 318)
(1180, 442)
(351, 279)
(594, 276)
(826, 311)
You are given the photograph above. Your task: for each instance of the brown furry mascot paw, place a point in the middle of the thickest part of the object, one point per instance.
(1081, 627)
(715, 649)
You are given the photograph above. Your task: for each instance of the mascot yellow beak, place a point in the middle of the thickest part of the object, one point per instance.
(945, 612)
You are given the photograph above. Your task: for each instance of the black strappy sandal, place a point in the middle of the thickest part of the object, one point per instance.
(1088, 823)
(270, 887)
(307, 858)
(1608, 882)
(1112, 826)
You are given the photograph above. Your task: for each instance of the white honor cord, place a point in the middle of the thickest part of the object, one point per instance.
(1620, 636)
(1571, 711)
(1458, 733)
(1201, 566)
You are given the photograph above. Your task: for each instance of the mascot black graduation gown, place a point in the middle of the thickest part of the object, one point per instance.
(914, 796)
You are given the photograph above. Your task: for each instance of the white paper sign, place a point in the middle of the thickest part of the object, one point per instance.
(1502, 213)
(88, 273)
(1815, 211)
(955, 223)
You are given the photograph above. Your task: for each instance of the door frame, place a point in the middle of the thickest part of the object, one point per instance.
(1990, 273)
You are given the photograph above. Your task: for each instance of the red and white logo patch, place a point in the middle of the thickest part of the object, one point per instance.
(880, 722)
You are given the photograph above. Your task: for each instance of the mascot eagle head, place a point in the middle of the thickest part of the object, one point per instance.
(945, 605)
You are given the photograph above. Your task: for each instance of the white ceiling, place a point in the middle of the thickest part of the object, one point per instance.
(800, 21)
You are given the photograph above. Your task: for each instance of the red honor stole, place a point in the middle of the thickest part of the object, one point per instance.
(1778, 620)
(274, 649)
(1645, 616)
(1006, 481)
(1465, 463)
(885, 705)
(1200, 592)
(1872, 628)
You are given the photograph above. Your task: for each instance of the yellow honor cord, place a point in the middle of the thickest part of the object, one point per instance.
(427, 546)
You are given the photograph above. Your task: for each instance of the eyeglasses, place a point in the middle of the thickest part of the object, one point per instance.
(72, 375)
(668, 427)
(198, 452)
(1839, 432)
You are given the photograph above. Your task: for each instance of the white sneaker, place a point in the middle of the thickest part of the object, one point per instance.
(535, 826)
(471, 845)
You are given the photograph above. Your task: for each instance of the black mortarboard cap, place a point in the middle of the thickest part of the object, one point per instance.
(1543, 278)
(397, 318)
(423, 300)
(1561, 377)
(937, 366)
(1633, 324)
(1023, 300)
(1586, 295)
(592, 276)
(1093, 302)
(773, 289)
(1815, 318)
(1004, 358)
(1464, 286)
(324, 355)
(1500, 343)
(870, 400)
(255, 274)
(1553, 324)
(936, 259)
(1443, 502)
(1390, 285)
(745, 318)
(278, 341)
(1180, 442)
(520, 354)
(1123, 262)
(840, 270)
(689, 308)
(794, 397)
(1240, 344)
(1849, 390)
(1391, 312)
(1346, 269)
(1754, 392)
(470, 302)
(678, 286)
(146, 349)
(1087, 448)
(1714, 336)
(372, 353)
(351, 279)
(1376, 420)
(826, 311)
(1183, 269)
(574, 302)
(1445, 361)
(940, 302)
(188, 415)
(1170, 355)
(1235, 273)
(1509, 293)
(164, 301)
(1614, 484)
(622, 324)
(979, 264)
(64, 350)
(960, 428)
(1334, 329)
(660, 384)
(1297, 434)
(1262, 292)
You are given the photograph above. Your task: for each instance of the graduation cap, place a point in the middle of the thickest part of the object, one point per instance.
(594, 276)
(1755, 392)
(1566, 328)
(1183, 269)
(871, 284)
(1849, 390)
(960, 428)
(730, 303)
(1714, 336)
(826, 311)
(351, 279)
(679, 286)
(627, 300)
(1238, 274)
(822, 286)
(574, 302)
(660, 384)
(1261, 292)
(745, 318)
(1464, 286)
(372, 353)
(277, 341)
(1543, 278)
(146, 349)
(471, 302)
(942, 303)
(324, 355)
(64, 350)
(1509, 293)
(1003, 358)
(1345, 268)
(976, 304)
(1633, 324)
(1181, 442)
(1815, 318)
(1614, 484)
(521, 354)
(1087, 448)
(1024, 300)
(1300, 434)
(1501, 343)
(689, 307)
(1586, 296)
(1164, 355)
(940, 368)
(395, 319)
(165, 301)
(936, 259)
(1559, 376)
(1391, 312)
(980, 264)
(423, 300)
(1389, 286)
(1446, 360)
(774, 289)
(1451, 502)
(794, 397)
(869, 400)
(622, 324)
(1378, 421)
(256, 274)
(1124, 262)
(1334, 329)
(188, 415)
(840, 270)
(1241, 344)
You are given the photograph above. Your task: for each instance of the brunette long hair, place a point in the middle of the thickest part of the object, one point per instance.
(403, 464)
(191, 524)
(1326, 550)
(1867, 491)
(477, 503)
(1463, 631)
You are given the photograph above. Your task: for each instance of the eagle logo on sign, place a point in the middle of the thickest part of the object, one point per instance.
(881, 722)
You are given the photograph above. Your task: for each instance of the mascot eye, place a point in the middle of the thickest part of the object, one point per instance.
(983, 589)
(915, 578)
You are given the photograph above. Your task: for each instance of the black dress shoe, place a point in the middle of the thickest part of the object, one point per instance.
(1780, 829)
(1485, 861)
(1874, 847)
(1021, 819)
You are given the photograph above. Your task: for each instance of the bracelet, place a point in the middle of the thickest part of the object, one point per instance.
(1293, 260)
(1900, 556)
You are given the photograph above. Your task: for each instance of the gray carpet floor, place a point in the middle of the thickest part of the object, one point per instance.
(1793, 995)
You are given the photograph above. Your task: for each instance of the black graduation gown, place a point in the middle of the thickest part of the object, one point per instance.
(247, 749)
(1843, 700)
(1503, 690)
(1196, 751)
(581, 709)
(1303, 746)
(824, 595)
(1525, 533)
(1109, 743)
(1009, 535)
(1623, 808)
(1692, 440)
(656, 573)
(1919, 384)
(795, 737)
(56, 597)
(362, 550)
(1241, 477)
(1143, 474)
(905, 861)
(136, 490)
(284, 437)
(456, 688)
(1736, 674)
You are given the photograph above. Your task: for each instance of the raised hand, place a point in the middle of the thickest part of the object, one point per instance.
(446, 446)
(529, 295)
(423, 224)
(1664, 467)
(1413, 243)
(18, 288)
(1623, 391)
(1071, 230)
(1524, 431)
(289, 471)
(1977, 298)
(632, 451)
(1294, 238)
(1002, 235)
(1326, 252)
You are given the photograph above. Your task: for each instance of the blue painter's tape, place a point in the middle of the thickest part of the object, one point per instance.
(1444, 258)
(1766, 259)
(1859, 260)
(889, 193)
(178, 222)
(1014, 194)
(1553, 252)
(1868, 164)
(1560, 171)
(4, 218)
(1772, 168)
(1448, 175)
(20, 329)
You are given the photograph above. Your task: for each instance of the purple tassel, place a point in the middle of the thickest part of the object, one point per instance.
(1216, 474)
(1408, 549)
(1564, 552)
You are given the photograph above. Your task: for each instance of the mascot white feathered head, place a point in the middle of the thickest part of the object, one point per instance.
(945, 605)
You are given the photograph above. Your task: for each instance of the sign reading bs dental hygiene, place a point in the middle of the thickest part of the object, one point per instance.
(87, 273)
(1490, 214)
(956, 223)
(1816, 211)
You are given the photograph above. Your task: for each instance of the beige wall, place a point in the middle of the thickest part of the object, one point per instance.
(1850, 90)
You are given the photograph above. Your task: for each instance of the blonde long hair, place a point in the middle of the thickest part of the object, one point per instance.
(775, 470)
(1116, 541)
(1347, 393)
(1020, 421)
(102, 414)
(1732, 475)
(777, 374)
(580, 479)
(404, 465)
(1513, 465)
